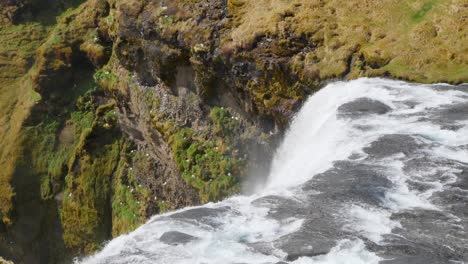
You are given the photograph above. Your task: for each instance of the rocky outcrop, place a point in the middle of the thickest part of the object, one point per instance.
(112, 111)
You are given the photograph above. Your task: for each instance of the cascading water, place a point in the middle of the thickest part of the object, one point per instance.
(370, 171)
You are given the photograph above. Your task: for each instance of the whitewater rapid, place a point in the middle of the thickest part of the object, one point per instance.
(370, 171)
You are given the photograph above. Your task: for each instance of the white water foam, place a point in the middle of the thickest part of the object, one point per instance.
(346, 252)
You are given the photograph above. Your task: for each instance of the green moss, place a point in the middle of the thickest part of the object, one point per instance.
(208, 165)
(85, 213)
(54, 138)
(22, 38)
(18, 44)
(167, 20)
(225, 123)
(163, 207)
(106, 78)
(129, 199)
(109, 20)
(91, 196)
(419, 15)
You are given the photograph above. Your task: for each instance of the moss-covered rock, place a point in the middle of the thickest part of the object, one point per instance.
(208, 165)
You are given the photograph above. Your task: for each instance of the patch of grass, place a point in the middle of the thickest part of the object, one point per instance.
(418, 16)
(424, 35)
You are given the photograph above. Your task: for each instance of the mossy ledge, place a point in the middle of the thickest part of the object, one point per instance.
(112, 111)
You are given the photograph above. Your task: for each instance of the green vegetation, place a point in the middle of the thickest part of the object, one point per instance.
(18, 44)
(84, 213)
(210, 166)
(129, 199)
(105, 78)
(53, 124)
(426, 37)
(224, 122)
(167, 20)
(206, 165)
(419, 15)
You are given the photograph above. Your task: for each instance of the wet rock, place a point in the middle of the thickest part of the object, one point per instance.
(462, 180)
(281, 207)
(388, 145)
(400, 252)
(349, 181)
(436, 227)
(455, 112)
(204, 215)
(262, 247)
(176, 238)
(421, 259)
(308, 242)
(362, 107)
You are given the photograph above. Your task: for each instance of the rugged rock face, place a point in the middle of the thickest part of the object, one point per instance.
(112, 111)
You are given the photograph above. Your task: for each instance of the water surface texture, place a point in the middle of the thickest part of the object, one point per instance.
(370, 171)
